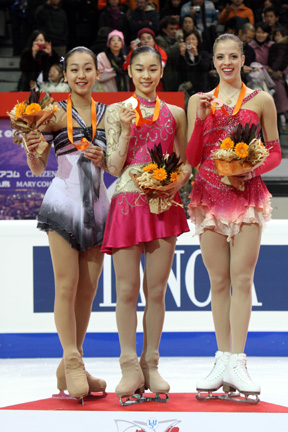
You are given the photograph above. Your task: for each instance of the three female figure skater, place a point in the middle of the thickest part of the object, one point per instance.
(228, 221)
(73, 213)
(131, 229)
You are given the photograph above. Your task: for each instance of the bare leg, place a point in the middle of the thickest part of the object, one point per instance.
(244, 254)
(216, 256)
(158, 262)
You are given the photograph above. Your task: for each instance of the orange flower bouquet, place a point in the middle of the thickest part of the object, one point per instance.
(239, 153)
(158, 177)
(30, 115)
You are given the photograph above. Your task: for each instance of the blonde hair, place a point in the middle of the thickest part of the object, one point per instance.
(228, 36)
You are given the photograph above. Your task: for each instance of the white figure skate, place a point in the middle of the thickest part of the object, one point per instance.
(236, 378)
(214, 380)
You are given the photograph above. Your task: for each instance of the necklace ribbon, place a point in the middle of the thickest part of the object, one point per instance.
(84, 143)
(238, 103)
(139, 118)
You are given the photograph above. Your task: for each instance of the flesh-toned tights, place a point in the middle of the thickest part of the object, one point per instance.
(158, 261)
(76, 278)
(231, 264)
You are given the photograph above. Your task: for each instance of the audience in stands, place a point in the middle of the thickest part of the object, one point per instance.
(52, 19)
(56, 82)
(144, 16)
(112, 76)
(166, 40)
(113, 16)
(35, 59)
(238, 9)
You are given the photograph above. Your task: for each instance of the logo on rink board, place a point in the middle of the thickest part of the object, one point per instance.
(188, 285)
(152, 424)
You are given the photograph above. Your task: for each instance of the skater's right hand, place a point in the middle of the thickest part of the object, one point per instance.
(204, 105)
(126, 116)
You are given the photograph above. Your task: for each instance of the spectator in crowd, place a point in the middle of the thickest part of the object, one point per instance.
(188, 23)
(82, 17)
(259, 78)
(37, 57)
(100, 43)
(236, 8)
(55, 81)
(246, 35)
(112, 77)
(146, 36)
(271, 17)
(261, 43)
(206, 18)
(101, 4)
(279, 33)
(52, 19)
(114, 17)
(172, 8)
(277, 68)
(234, 24)
(193, 66)
(166, 40)
(145, 15)
(22, 22)
(203, 10)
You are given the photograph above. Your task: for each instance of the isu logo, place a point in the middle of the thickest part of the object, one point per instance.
(152, 424)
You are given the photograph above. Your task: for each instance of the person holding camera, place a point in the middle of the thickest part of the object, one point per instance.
(37, 57)
(204, 12)
(236, 8)
(145, 36)
(167, 41)
(193, 66)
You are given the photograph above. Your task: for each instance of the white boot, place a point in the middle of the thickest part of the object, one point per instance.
(215, 378)
(236, 376)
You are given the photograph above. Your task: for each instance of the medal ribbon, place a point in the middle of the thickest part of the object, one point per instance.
(84, 143)
(238, 103)
(139, 118)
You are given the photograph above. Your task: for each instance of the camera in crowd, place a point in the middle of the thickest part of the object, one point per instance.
(197, 8)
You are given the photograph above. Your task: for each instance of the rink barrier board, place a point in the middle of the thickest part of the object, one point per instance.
(9, 99)
(173, 344)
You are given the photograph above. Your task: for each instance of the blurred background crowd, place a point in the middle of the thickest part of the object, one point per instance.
(42, 31)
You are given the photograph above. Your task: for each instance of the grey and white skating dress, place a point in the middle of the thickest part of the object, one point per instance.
(76, 203)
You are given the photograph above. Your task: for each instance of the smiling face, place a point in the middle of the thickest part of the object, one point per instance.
(81, 72)
(228, 60)
(261, 35)
(146, 72)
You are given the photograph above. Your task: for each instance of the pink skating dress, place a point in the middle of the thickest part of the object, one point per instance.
(215, 205)
(129, 220)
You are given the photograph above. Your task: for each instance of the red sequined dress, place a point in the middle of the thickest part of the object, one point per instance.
(215, 205)
(130, 221)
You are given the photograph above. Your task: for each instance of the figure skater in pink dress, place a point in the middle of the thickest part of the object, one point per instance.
(131, 229)
(228, 221)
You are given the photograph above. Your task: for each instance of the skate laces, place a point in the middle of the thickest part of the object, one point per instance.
(241, 365)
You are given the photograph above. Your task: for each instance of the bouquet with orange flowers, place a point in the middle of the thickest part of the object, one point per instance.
(158, 177)
(30, 115)
(239, 153)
